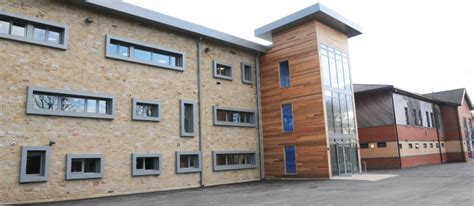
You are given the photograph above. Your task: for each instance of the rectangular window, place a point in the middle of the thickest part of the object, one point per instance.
(247, 75)
(144, 53)
(442, 145)
(234, 160)
(420, 118)
(287, 117)
(407, 116)
(146, 110)
(188, 118)
(431, 145)
(432, 120)
(381, 144)
(410, 146)
(222, 71)
(224, 116)
(437, 145)
(428, 119)
(285, 81)
(290, 160)
(415, 114)
(364, 145)
(425, 145)
(84, 166)
(32, 30)
(34, 165)
(146, 164)
(187, 162)
(400, 146)
(329, 111)
(335, 68)
(417, 146)
(44, 101)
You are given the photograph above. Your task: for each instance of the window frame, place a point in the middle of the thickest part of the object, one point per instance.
(279, 74)
(242, 68)
(232, 124)
(132, 44)
(218, 76)
(90, 175)
(292, 118)
(188, 170)
(233, 167)
(137, 117)
(81, 94)
(182, 118)
(30, 23)
(136, 172)
(25, 178)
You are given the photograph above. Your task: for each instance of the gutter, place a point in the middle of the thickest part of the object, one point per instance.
(259, 114)
(199, 76)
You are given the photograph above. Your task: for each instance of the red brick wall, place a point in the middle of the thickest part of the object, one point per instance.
(409, 133)
(385, 133)
(413, 161)
(381, 163)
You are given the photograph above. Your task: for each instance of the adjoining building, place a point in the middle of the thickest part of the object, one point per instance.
(400, 129)
(103, 98)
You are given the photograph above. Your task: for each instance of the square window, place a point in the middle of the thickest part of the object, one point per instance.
(285, 74)
(18, 29)
(39, 34)
(146, 110)
(222, 71)
(146, 164)
(54, 37)
(247, 75)
(187, 162)
(188, 118)
(34, 164)
(84, 166)
(4, 27)
(410, 146)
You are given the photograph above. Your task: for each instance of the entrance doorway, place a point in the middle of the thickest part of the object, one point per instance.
(344, 161)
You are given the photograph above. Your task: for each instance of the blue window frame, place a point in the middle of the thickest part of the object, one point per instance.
(284, 74)
(290, 160)
(287, 116)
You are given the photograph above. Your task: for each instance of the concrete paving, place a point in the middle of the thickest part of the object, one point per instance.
(446, 184)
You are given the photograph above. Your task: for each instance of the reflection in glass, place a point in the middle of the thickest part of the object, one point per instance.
(18, 29)
(39, 34)
(54, 36)
(142, 54)
(4, 27)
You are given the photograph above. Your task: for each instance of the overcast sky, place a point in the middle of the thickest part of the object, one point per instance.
(419, 46)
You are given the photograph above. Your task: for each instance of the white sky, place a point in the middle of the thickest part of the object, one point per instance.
(417, 45)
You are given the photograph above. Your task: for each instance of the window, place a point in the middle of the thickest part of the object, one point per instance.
(84, 166)
(330, 110)
(234, 160)
(442, 145)
(143, 53)
(417, 146)
(34, 165)
(187, 162)
(428, 119)
(420, 118)
(431, 145)
(146, 164)
(400, 146)
(44, 101)
(146, 110)
(335, 68)
(407, 116)
(364, 145)
(381, 144)
(247, 76)
(222, 71)
(437, 145)
(285, 74)
(224, 116)
(416, 116)
(32, 30)
(410, 146)
(425, 145)
(287, 117)
(188, 118)
(432, 120)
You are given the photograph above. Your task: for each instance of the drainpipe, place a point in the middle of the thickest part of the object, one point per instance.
(435, 115)
(259, 114)
(460, 135)
(396, 131)
(199, 78)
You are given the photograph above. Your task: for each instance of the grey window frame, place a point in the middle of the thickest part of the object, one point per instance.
(137, 117)
(136, 172)
(25, 178)
(181, 118)
(95, 175)
(233, 167)
(30, 23)
(31, 110)
(218, 76)
(232, 124)
(188, 170)
(132, 43)
(242, 68)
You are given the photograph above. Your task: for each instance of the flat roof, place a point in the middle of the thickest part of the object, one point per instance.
(149, 16)
(316, 11)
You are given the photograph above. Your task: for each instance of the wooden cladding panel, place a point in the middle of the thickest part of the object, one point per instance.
(299, 46)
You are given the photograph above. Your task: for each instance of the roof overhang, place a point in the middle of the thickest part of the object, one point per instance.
(317, 12)
(156, 18)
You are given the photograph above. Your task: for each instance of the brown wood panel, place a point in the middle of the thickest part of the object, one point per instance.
(299, 46)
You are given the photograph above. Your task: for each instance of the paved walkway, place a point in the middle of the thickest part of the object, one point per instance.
(447, 184)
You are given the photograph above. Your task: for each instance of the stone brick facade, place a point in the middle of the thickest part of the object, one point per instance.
(83, 67)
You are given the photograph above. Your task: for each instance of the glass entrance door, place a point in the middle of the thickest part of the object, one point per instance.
(344, 153)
